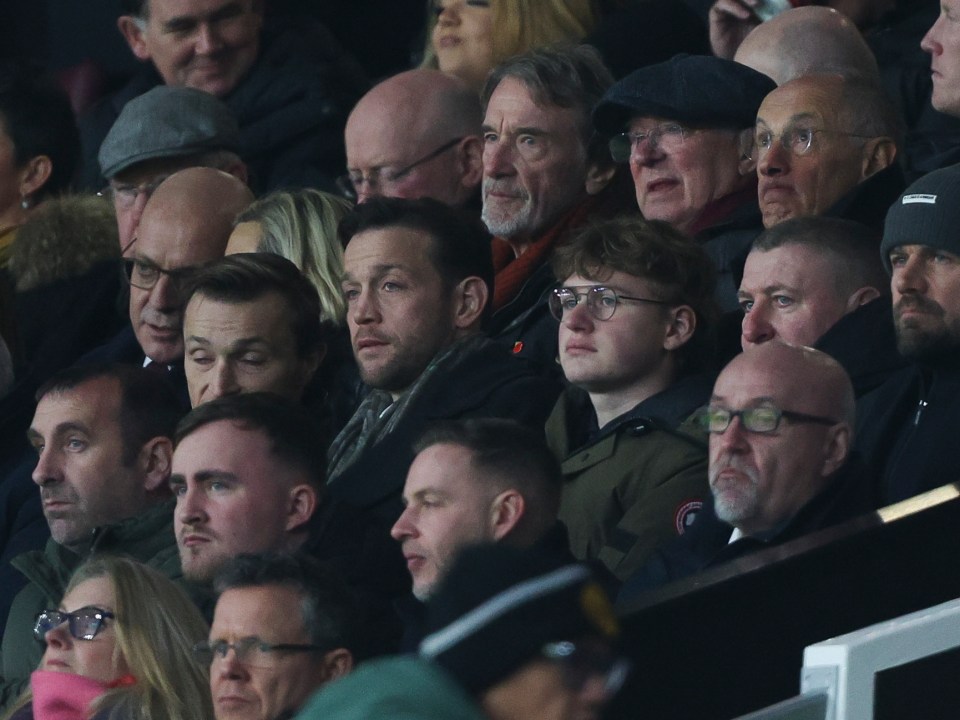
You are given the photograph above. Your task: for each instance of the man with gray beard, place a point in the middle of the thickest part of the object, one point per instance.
(780, 421)
(544, 173)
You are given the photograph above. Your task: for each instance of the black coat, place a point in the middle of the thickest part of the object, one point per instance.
(907, 431)
(488, 383)
(291, 107)
(707, 542)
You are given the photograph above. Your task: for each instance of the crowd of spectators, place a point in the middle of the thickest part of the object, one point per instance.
(324, 397)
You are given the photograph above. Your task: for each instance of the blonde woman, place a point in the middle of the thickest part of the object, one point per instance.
(119, 646)
(468, 38)
(300, 225)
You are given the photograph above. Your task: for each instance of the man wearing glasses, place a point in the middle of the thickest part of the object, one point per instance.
(780, 421)
(186, 223)
(284, 625)
(684, 128)
(635, 310)
(825, 145)
(416, 134)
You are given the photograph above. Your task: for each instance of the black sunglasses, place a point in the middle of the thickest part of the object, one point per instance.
(85, 623)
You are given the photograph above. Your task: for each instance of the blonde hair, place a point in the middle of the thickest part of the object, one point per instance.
(301, 225)
(156, 627)
(522, 25)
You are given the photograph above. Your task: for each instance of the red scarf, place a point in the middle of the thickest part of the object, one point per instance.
(513, 271)
(722, 208)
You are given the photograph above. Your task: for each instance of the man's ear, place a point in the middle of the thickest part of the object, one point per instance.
(302, 503)
(683, 323)
(861, 297)
(34, 174)
(470, 161)
(746, 163)
(470, 297)
(505, 512)
(336, 664)
(599, 176)
(837, 448)
(309, 365)
(129, 27)
(155, 459)
(878, 154)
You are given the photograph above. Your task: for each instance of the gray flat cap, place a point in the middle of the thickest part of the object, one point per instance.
(168, 122)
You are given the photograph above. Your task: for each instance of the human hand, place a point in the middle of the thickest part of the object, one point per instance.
(730, 22)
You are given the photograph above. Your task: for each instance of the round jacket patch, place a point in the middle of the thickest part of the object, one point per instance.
(686, 514)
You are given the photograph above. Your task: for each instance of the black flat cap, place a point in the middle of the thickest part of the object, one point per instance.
(695, 89)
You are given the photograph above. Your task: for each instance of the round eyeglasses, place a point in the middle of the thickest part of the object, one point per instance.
(601, 301)
(250, 651)
(766, 419)
(84, 624)
(799, 141)
(666, 136)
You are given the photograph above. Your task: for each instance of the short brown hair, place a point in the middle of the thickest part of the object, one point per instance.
(655, 251)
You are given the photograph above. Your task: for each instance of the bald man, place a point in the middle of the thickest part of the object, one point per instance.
(808, 40)
(186, 222)
(781, 423)
(825, 145)
(416, 134)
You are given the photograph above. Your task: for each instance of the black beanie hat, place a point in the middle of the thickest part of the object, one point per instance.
(498, 606)
(928, 213)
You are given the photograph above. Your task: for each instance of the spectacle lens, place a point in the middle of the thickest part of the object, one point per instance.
(83, 624)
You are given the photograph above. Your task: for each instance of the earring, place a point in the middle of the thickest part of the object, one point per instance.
(25, 202)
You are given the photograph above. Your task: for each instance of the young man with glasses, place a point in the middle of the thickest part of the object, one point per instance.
(780, 421)
(636, 312)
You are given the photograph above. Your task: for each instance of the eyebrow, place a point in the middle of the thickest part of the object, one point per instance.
(750, 402)
(767, 289)
(60, 429)
(793, 118)
(238, 344)
(378, 271)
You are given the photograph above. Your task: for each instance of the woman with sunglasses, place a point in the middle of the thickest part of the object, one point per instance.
(119, 646)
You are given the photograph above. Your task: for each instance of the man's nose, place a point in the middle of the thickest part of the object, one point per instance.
(48, 469)
(498, 159)
(224, 380)
(775, 160)
(756, 327)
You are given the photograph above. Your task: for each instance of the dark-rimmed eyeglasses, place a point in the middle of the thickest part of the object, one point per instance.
(579, 662)
(250, 651)
(349, 185)
(84, 624)
(798, 140)
(124, 195)
(601, 301)
(144, 274)
(766, 419)
(667, 136)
